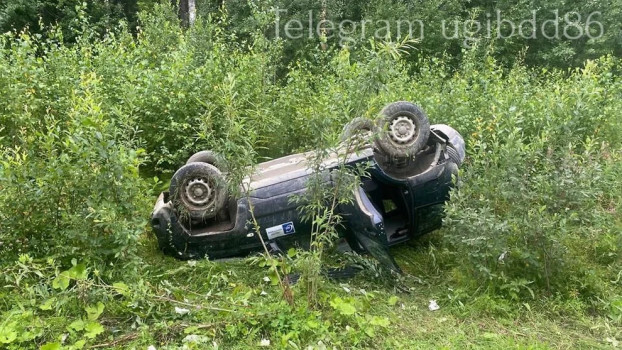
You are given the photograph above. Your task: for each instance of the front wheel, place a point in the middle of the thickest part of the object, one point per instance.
(404, 129)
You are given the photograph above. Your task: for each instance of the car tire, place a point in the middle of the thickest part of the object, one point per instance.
(404, 129)
(198, 191)
(209, 157)
(453, 155)
(356, 126)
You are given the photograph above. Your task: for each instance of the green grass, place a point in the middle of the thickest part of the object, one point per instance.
(232, 306)
(478, 321)
(483, 322)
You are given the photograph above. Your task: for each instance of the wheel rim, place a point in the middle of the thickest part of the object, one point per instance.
(198, 193)
(403, 130)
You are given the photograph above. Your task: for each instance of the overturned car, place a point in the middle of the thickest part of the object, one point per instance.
(411, 166)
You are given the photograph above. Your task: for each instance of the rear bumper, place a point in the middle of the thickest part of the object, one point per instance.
(176, 240)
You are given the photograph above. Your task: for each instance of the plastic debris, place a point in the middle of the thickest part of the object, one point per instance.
(181, 311)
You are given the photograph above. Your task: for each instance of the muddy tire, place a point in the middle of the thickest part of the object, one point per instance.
(209, 157)
(198, 191)
(357, 127)
(404, 129)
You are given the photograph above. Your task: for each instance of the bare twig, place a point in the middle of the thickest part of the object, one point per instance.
(122, 339)
(199, 307)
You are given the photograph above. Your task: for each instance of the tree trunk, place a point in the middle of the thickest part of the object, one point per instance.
(323, 30)
(192, 11)
(187, 11)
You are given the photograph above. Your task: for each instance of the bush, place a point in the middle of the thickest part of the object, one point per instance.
(70, 184)
(537, 212)
(531, 220)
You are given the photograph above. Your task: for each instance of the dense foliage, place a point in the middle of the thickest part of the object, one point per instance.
(31, 15)
(557, 33)
(85, 127)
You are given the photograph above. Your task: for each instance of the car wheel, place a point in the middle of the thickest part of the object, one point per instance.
(198, 191)
(404, 129)
(209, 157)
(357, 127)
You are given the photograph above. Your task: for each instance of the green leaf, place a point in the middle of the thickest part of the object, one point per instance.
(274, 280)
(61, 281)
(369, 331)
(121, 288)
(94, 311)
(393, 300)
(313, 324)
(291, 252)
(93, 329)
(76, 325)
(50, 346)
(347, 309)
(78, 345)
(7, 335)
(78, 272)
(379, 321)
(48, 304)
(191, 329)
(343, 307)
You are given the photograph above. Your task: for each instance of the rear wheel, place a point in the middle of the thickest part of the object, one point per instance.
(198, 191)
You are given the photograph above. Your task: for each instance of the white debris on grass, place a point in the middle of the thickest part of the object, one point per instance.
(195, 338)
(265, 342)
(613, 341)
(433, 305)
(181, 311)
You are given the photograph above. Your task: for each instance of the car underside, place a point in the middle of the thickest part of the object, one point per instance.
(410, 170)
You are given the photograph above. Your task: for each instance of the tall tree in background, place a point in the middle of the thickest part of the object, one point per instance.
(187, 11)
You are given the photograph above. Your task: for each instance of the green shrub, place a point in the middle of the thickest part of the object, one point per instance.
(538, 209)
(529, 219)
(70, 186)
(31, 14)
